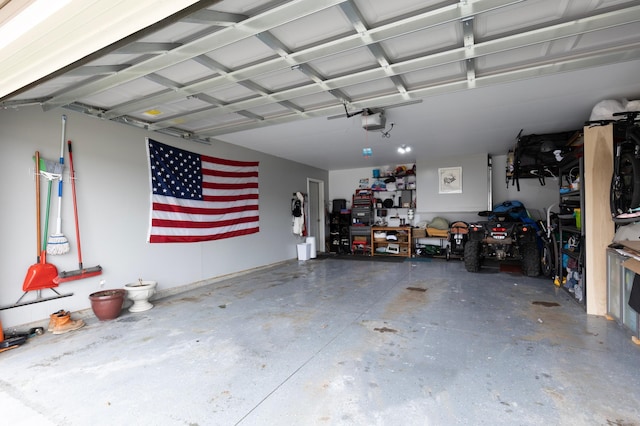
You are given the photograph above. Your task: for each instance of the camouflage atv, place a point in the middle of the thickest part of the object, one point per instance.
(508, 235)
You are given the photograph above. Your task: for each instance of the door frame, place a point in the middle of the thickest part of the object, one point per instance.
(318, 208)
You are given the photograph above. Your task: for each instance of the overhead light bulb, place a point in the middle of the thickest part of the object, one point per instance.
(403, 149)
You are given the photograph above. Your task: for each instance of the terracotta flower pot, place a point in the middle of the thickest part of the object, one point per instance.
(107, 304)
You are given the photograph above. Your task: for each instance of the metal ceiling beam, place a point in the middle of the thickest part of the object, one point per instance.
(461, 54)
(402, 27)
(213, 17)
(245, 29)
(163, 81)
(92, 70)
(553, 67)
(469, 41)
(140, 47)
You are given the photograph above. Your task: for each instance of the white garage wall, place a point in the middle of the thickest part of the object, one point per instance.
(463, 206)
(113, 207)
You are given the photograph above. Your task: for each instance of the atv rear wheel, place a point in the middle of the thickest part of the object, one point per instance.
(472, 256)
(530, 259)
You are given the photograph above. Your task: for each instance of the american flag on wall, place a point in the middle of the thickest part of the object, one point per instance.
(200, 198)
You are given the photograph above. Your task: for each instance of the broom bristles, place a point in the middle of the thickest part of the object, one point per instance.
(57, 244)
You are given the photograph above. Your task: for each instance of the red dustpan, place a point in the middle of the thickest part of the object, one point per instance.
(41, 274)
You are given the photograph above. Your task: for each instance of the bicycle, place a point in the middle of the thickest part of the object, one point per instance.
(549, 247)
(625, 182)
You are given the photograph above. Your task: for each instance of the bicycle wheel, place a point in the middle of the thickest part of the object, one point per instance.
(625, 187)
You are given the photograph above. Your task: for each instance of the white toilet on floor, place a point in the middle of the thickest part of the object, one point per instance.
(139, 293)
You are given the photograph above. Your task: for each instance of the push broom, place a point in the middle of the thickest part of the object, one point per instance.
(58, 243)
(81, 272)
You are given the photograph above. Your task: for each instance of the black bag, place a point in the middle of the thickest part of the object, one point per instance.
(296, 208)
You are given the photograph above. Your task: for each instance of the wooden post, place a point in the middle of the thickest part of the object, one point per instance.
(599, 227)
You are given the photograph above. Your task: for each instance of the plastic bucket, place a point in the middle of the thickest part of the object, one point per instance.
(312, 250)
(304, 251)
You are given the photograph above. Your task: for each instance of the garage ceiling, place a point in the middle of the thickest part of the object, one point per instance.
(297, 79)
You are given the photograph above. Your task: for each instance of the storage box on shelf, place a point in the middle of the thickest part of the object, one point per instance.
(391, 241)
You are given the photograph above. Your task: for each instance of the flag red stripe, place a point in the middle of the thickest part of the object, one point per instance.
(217, 185)
(166, 223)
(226, 162)
(222, 173)
(237, 197)
(199, 210)
(200, 238)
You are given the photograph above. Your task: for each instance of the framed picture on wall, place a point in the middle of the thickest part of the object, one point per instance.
(450, 180)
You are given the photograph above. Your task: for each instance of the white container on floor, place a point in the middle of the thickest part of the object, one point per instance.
(312, 241)
(304, 251)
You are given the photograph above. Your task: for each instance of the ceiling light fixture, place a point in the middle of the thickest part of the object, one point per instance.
(403, 149)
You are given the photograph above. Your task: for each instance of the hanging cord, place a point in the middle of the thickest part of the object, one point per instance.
(387, 133)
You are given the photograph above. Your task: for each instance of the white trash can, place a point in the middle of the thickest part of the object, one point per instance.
(312, 242)
(304, 251)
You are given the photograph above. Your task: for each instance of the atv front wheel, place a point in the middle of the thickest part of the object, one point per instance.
(472, 256)
(530, 259)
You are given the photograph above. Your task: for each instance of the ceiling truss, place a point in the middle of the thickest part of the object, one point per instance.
(230, 97)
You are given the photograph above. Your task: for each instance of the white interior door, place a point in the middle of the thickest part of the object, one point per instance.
(315, 189)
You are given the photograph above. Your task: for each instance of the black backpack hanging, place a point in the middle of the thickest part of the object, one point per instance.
(296, 208)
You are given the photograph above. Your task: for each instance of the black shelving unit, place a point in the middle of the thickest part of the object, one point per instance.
(339, 233)
(571, 228)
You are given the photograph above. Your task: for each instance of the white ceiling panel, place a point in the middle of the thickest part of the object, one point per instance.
(344, 62)
(376, 12)
(123, 93)
(317, 100)
(309, 30)
(232, 93)
(166, 111)
(186, 72)
(282, 79)
(174, 33)
(241, 53)
(433, 75)
(425, 41)
(518, 17)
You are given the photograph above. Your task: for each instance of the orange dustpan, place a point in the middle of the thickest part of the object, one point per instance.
(41, 274)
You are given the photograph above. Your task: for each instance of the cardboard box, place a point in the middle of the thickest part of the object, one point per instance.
(419, 232)
(633, 247)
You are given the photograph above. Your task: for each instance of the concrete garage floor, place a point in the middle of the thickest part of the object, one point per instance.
(335, 342)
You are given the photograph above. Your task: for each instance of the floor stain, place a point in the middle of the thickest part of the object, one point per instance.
(545, 304)
(385, 330)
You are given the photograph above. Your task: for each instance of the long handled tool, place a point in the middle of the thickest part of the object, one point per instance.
(81, 272)
(58, 243)
(41, 274)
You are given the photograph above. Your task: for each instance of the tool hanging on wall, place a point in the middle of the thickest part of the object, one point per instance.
(81, 272)
(58, 243)
(41, 275)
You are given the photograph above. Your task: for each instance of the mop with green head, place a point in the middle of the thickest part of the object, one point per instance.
(58, 243)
